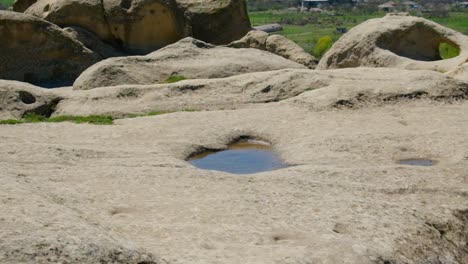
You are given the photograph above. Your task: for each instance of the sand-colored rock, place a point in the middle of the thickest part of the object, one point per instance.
(22, 5)
(93, 42)
(255, 39)
(190, 58)
(460, 72)
(345, 199)
(217, 22)
(276, 44)
(87, 14)
(39, 52)
(286, 48)
(396, 41)
(142, 26)
(18, 99)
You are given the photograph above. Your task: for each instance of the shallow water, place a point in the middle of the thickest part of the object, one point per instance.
(417, 162)
(244, 157)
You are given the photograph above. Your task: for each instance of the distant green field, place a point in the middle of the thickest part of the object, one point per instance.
(7, 2)
(307, 28)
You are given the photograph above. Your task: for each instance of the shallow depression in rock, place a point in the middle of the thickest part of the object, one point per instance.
(242, 157)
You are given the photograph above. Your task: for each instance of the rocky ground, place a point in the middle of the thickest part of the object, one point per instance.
(344, 199)
(125, 192)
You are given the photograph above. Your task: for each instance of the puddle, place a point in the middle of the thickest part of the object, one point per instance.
(417, 162)
(243, 157)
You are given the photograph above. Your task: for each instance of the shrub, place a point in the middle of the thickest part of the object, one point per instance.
(175, 78)
(447, 51)
(323, 45)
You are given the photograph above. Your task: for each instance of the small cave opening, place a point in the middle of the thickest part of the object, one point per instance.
(419, 42)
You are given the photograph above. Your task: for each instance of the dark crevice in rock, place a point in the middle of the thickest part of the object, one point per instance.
(361, 99)
(45, 110)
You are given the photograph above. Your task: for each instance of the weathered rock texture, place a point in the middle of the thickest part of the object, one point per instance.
(99, 194)
(460, 72)
(47, 231)
(93, 42)
(189, 58)
(18, 99)
(39, 52)
(319, 90)
(142, 26)
(217, 22)
(396, 41)
(22, 5)
(276, 44)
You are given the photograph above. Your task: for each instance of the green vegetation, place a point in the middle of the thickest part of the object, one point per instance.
(35, 118)
(91, 119)
(323, 45)
(448, 51)
(7, 2)
(307, 28)
(175, 78)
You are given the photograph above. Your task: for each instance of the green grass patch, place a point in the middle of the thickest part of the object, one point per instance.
(175, 78)
(448, 51)
(34, 118)
(7, 2)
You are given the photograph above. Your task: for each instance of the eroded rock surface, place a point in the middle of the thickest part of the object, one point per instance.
(22, 5)
(190, 58)
(142, 26)
(18, 99)
(344, 200)
(396, 41)
(39, 52)
(276, 44)
(460, 72)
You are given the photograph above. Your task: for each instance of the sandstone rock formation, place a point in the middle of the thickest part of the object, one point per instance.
(18, 99)
(217, 22)
(39, 52)
(87, 14)
(99, 194)
(396, 41)
(190, 58)
(460, 72)
(43, 230)
(276, 44)
(93, 42)
(22, 5)
(142, 26)
(286, 48)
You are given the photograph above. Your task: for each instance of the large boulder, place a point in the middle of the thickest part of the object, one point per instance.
(276, 44)
(136, 26)
(217, 22)
(286, 48)
(396, 41)
(22, 5)
(190, 58)
(142, 26)
(93, 42)
(39, 52)
(87, 14)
